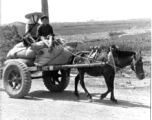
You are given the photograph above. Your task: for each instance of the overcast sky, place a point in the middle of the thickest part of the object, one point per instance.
(77, 10)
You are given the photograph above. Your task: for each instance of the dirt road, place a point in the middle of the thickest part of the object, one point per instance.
(133, 102)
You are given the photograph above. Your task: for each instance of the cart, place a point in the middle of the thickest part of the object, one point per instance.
(17, 76)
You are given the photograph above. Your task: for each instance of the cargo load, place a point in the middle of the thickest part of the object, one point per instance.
(59, 55)
(39, 53)
(20, 51)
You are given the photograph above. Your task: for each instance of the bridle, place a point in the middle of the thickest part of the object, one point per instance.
(133, 63)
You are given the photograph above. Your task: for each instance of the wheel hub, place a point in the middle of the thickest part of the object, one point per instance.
(15, 80)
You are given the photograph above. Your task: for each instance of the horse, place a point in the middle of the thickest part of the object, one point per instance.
(121, 59)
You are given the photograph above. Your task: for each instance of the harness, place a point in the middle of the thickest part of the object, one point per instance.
(133, 63)
(94, 54)
(115, 67)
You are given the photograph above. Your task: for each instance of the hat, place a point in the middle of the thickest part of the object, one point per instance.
(44, 16)
(34, 13)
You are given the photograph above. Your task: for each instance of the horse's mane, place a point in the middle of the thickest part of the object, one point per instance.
(124, 53)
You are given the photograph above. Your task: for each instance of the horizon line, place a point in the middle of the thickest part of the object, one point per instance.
(89, 21)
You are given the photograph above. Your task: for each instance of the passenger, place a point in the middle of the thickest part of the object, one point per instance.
(44, 30)
(31, 26)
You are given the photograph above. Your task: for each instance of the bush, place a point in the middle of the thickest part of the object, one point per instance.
(8, 38)
(116, 33)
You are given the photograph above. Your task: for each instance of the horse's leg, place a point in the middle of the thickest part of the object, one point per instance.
(77, 78)
(81, 74)
(110, 84)
(108, 90)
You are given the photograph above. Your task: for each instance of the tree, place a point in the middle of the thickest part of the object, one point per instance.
(45, 8)
(0, 12)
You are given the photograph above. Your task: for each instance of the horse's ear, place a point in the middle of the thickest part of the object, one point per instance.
(139, 53)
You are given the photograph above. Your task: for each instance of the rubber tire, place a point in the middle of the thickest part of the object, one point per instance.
(25, 78)
(48, 75)
(1, 73)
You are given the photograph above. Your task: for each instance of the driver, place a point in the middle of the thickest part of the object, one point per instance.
(32, 25)
(31, 28)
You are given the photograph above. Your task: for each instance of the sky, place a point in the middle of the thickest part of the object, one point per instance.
(77, 10)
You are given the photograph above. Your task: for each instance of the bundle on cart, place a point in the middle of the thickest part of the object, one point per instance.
(40, 54)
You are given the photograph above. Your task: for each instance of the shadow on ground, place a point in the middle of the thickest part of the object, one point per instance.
(69, 96)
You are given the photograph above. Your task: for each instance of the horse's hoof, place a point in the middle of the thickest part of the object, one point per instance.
(102, 97)
(114, 100)
(89, 96)
(91, 100)
(77, 95)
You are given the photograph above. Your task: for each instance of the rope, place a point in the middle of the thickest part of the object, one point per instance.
(56, 56)
(67, 49)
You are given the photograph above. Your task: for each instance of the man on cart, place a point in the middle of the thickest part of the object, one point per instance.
(44, 30)
(31, 27)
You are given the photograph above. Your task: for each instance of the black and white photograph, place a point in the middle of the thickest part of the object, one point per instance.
(75, 59)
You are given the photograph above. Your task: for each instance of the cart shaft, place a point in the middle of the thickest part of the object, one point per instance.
(58, 67)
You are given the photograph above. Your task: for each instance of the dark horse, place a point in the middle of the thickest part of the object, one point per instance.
(121, 60)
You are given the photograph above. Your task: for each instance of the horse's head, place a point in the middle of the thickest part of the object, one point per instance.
(137, 66)
(125, 58)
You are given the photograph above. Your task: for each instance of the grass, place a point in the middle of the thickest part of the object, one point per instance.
(127, 42)
(97, 27)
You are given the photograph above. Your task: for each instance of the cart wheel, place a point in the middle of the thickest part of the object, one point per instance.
(56, 81)
(17, 79)
(1, 73)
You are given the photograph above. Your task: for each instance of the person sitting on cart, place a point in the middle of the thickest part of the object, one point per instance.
(31, 27)
(45, 29)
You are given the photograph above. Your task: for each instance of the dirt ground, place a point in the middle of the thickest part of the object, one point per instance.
(132, 94)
